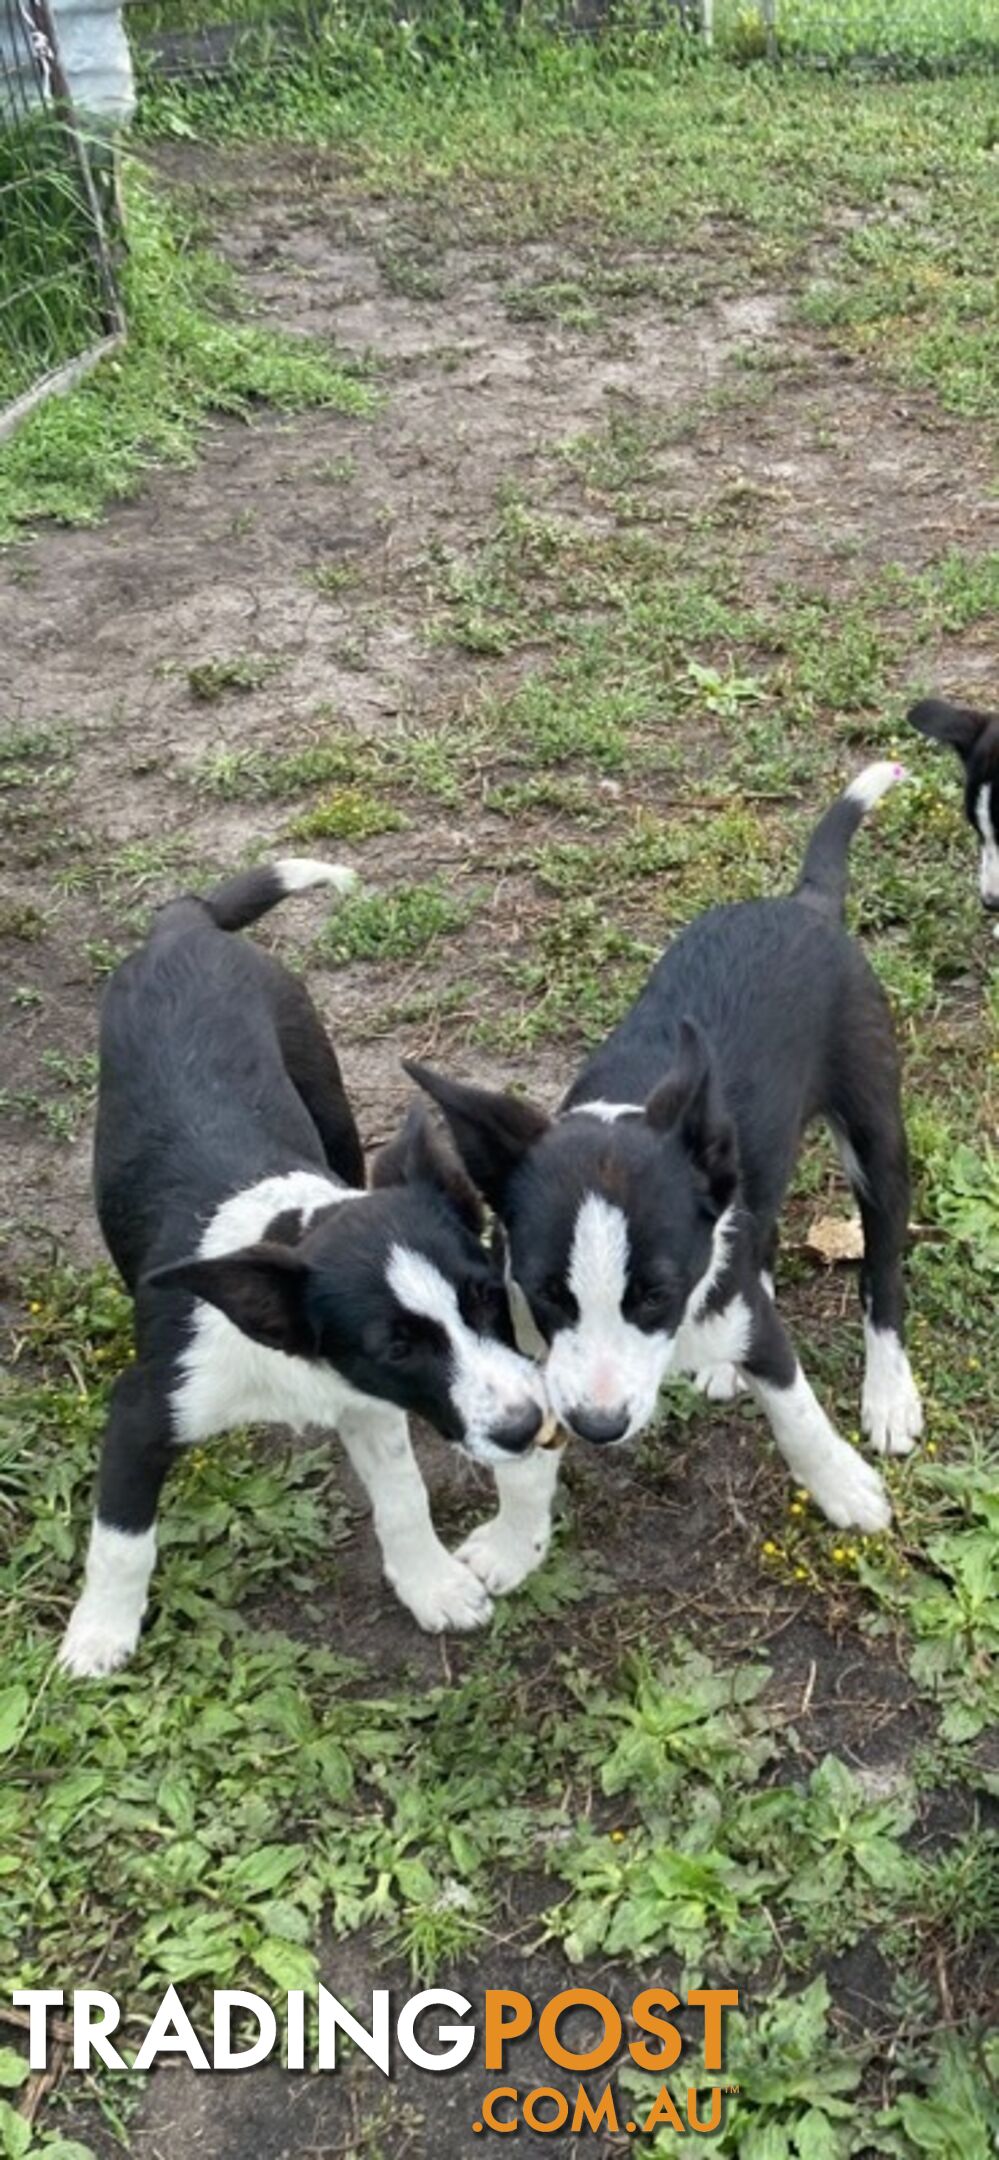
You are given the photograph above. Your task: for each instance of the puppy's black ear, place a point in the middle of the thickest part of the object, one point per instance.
(957, 725)
(420, 1156)
(492, 1132)
(261, 1290)
(689, 1103)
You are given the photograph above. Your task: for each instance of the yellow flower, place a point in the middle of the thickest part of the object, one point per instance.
(839, 1554)
(931, 1447)
(796, 1507)
(770, 1549)
(617, 1837)
(801, 1574)
(34, 1306)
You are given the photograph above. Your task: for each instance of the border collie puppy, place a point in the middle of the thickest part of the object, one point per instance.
(975, 737)
(641, 1219)
(268, 1286)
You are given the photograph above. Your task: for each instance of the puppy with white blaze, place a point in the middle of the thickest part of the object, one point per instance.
(975, 737)
(641, 1220)
(268, 1285)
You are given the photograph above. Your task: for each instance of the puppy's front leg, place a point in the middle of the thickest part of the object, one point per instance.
(105, 1622)
(504, 1551)
(845, 1487)
(436, 1587)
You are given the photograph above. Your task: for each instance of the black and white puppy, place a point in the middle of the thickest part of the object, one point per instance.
(975, 737)
(641, 1219)
(268, 1285)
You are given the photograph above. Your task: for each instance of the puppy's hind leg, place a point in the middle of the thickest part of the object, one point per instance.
(874, 1154)
(314, 1071)
(105, 1622)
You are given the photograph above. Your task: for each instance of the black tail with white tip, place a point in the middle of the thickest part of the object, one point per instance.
(242, 899)
(823, 881)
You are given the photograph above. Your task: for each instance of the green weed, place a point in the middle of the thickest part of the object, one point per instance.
(210, 679)
(392, 925)
(347, 814)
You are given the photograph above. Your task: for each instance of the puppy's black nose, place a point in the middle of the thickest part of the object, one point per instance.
(990, 901)
(598, 1425)
(519, 1433)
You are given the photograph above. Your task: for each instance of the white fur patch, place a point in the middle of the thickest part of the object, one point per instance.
(228, 1380)
(989, 871)
(300, 873)
(490, 1385)
(721, 1244)
(604, 1364)
(891, 1412)
(105, 1622)
(608, 1112)
(435, 1586)
(714, 1348)
(503, 1552)
(875, 781)
(846, 1488)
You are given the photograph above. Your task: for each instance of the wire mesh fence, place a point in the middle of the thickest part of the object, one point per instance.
(206, 37)
(894, 36)
(58, 304)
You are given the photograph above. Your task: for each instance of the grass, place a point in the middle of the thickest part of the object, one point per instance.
(619, 135)
(51, 303)
(405, 1810)
(209, 680)
(347, 814)
(190, 354)
(393, 925)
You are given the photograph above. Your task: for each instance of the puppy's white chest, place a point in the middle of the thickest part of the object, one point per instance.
(722, 1338)
(228, 1380)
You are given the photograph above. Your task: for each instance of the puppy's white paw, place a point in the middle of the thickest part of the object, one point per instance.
(502, 1556)
(93, 1646)
(851, 1494)
(720, 1383)
(446, 1597)
(891, 1413)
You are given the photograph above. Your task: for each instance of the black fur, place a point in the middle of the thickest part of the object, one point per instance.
(216, 1073)
(760, 1018)
(975, 737)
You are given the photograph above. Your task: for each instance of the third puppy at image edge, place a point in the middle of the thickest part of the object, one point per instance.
(640, 1222)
